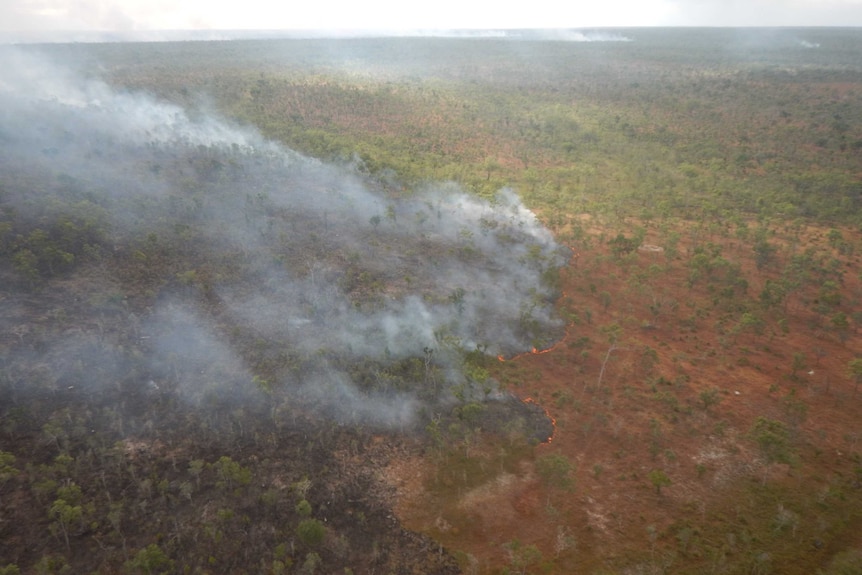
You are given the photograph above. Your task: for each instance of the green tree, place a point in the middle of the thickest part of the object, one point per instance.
(659, 479)
(150, 560)
(65, 515)
(196, 467)
(231, 473)
(27, 264)
(622, 246)
(750, 323)
(52, 564)
(834, 237)
(311, 563)
(773, 294)
(830, 295)
(556, 471)
(48, 252)
(310, 531)
(490, 165)
(773, 440)
(303, 508)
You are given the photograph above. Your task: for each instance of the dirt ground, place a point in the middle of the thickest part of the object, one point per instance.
(665, 383)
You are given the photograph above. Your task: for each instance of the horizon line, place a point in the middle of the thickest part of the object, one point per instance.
(227, 34)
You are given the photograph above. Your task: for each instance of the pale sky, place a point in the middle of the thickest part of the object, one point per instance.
(403, 15)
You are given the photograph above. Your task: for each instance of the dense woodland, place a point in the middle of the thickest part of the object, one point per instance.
(271, 306)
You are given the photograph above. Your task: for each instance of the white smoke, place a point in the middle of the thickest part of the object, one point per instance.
(582, 36)
(344, 273)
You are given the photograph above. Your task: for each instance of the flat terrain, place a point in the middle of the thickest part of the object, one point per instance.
(655, 376)
(268, 306)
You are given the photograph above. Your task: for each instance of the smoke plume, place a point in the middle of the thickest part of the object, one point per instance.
(208, 264)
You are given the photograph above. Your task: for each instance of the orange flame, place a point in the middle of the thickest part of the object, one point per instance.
(550, 417)
(535, 350)
(541, 351)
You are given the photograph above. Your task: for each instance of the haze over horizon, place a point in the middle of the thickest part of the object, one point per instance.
(135, 18)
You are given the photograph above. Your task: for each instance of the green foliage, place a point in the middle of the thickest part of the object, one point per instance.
(7, 466)
(311, 563)
(196, 468)
(854, 368)
(303, 508)
(150, 560)
(52, 565)
(622, 246)
(773, 441)
(262, 384)
(231, 474)
(69, 232)
(773, 294)
(840, 322)
(658, 478)
(470, 412)
(67, 511)
(830, 295)
(750, 323)
(311, 531)
(556, 471)
(27, 264)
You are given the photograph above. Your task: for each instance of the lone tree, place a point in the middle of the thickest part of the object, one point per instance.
(659, 479)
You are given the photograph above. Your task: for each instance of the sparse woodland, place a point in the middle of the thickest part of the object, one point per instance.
(220, 357)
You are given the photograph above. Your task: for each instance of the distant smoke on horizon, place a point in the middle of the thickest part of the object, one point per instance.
(513, 34)
(580, 35)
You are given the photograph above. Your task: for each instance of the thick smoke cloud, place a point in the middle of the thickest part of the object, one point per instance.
(359, 300)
